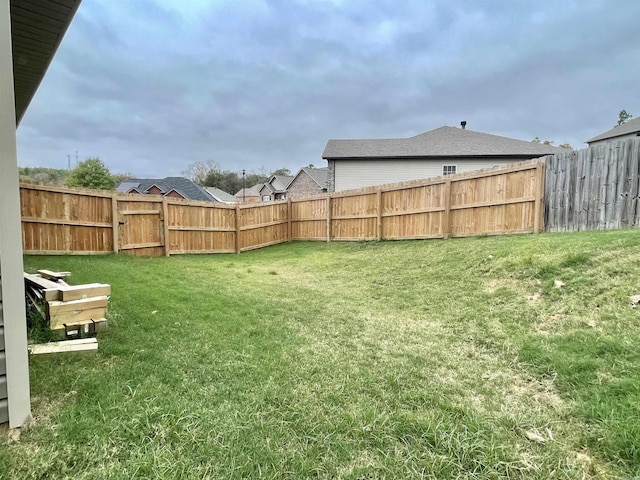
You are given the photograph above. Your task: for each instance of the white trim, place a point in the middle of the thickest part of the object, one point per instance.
(154, 185)
(177, 191)
(11, 266)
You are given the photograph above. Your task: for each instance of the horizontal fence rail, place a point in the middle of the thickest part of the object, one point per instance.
(503, 200)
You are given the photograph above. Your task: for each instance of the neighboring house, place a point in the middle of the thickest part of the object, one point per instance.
(275, 188)
(443, 151)
(220, 195)
(175, 187)
(307, 182)
(250, 194)
(630, 129)
(30, 33)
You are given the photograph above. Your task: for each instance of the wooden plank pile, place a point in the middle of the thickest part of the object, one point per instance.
(79, 310)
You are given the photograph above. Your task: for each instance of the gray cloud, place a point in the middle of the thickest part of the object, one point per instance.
(150, 87)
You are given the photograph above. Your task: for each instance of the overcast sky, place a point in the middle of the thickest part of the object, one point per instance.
(151, 86)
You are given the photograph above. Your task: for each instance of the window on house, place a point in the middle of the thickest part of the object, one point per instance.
(448, 169)
(266, 198)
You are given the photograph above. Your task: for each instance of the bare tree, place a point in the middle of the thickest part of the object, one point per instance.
(198, 171)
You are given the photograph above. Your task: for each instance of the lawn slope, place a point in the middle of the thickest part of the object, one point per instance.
(494, 357)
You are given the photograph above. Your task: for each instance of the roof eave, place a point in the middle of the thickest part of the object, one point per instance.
(445, 157)
(22, 102)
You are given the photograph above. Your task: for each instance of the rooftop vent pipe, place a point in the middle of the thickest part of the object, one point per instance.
(463, 124)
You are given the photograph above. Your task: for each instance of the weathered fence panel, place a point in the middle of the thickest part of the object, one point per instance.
(593, 189)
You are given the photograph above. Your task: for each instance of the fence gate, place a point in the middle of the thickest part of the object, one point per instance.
(140, 226)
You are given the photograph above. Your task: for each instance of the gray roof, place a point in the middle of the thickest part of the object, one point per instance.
(251, 191)
(441, 142)
(318, 175)
(183, 186)
(279, 183)
(632, 126)
(126, 185)
(221, 195)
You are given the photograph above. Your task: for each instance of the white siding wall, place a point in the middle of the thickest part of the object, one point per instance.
(365, 173)
(616, 139)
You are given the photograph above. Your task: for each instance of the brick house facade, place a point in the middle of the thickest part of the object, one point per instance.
(308, 182)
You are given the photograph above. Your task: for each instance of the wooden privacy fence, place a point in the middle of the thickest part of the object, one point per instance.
(499, 201)
(594, 189)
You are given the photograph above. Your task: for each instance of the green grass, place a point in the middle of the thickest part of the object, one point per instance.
(424, 359)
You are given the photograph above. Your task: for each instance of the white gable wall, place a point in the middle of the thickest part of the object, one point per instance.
(365, 173)
(615, 139)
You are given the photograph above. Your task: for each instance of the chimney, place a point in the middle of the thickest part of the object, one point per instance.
(463, 124)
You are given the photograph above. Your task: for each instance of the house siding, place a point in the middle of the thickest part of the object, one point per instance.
(248, 198)
(615, 139)
(349, 174)
(264, 192)
(303, 186)
(331, 175)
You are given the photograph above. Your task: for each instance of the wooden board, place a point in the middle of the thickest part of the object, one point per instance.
(78, 292)
(84, 325)
(57, 307)
(86, 309)
(54, 276)
(80, 345)
(41, 282)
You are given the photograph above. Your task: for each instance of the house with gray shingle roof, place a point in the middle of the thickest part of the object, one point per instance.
(630, 129)
(275, 188)
(443, 151)
(307, 182)
(176, 187)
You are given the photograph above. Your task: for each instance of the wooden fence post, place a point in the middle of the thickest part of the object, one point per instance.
(329, 218)
(165, 226)
(115, 220)
(379, 224)
(446, 221)
(289, 219)
(237, 228)
(539, 204)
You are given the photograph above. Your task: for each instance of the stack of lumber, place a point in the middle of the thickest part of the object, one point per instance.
(77, 309)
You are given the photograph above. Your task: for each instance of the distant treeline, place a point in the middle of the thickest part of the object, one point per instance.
(49, 176)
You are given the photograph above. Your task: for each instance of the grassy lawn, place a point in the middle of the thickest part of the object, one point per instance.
(495, 357)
